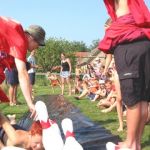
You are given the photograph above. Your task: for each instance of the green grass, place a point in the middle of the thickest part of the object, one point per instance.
(109, 120)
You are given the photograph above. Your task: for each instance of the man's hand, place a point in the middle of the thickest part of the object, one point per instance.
(32, 110)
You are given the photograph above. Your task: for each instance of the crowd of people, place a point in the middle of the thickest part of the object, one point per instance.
(98, 83)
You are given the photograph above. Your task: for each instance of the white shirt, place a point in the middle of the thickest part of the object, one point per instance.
(31, 60)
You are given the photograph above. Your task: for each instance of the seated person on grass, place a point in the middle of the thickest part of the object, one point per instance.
(14, 135)
(93, 87)
(90, 86)
(101, 92)
(111, 95)
(108, 101)
(84, 86)
(78, 87)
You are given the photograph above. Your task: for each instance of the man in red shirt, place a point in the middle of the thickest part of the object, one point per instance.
(14, 43)
(128, 38)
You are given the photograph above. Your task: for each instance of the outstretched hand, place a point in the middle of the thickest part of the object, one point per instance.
(32, 110)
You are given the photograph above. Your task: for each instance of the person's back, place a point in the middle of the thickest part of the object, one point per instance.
(121, 7)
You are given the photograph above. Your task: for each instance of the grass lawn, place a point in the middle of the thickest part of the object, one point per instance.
(89, 109)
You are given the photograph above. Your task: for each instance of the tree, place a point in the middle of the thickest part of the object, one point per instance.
(94, 44)
(49, 56)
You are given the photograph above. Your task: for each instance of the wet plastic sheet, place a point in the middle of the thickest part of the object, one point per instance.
(90, 135)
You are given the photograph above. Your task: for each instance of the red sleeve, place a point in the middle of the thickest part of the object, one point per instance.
(12, 38)
(142, 16)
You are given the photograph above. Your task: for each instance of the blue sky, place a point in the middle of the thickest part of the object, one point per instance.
(74, 20)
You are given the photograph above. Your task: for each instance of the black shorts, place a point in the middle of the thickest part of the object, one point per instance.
(32, 78)
(133, 67)
(12, 77)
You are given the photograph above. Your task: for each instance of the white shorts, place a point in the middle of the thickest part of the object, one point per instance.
(65, 74)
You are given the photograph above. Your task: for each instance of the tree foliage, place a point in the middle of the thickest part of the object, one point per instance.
(94, 44)
(49, 56)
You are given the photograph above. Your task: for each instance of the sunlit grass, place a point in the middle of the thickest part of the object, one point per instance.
(109, 120)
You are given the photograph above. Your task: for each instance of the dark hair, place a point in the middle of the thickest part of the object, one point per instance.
(63, 54)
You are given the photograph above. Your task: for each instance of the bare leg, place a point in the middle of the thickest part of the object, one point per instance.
(110, 108)
(120, 115)
(143, 118)
(101, 101)
(69, 85)
(15, 95)
(133, 121)
(119, 102)
(11, 94)
(31, 91)
(62, 86)
(52, 88)
(105, 103)
(84, 93)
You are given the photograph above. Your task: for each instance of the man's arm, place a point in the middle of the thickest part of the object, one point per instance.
(25, 83)
(107, 63)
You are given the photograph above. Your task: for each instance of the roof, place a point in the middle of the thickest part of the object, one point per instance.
(91, 56)
(82, 54)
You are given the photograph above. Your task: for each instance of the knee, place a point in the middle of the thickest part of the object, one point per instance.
(144, 110)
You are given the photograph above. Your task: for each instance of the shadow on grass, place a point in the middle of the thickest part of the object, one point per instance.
(3, 106)
(146, 143)
(104, 122)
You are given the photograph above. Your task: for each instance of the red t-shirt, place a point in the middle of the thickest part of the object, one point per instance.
(13, 44)
(12, 39)
(135, 25)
